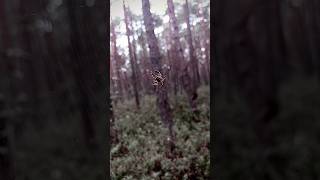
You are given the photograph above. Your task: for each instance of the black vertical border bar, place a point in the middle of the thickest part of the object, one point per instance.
(108, 145)
(212, 84)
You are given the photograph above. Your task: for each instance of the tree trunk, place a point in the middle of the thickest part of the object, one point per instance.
(116, 60)
(134, 51)
(193, 60)
(145, 63)
(204, 40)
(132, 61)
(189, 88)
(127, 85)
(176, 45)
(83, 69)
(174, 70)
(155, 58)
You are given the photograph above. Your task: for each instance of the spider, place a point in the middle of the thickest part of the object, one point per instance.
(157, 78)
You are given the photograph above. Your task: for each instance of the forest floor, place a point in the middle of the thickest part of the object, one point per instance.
(294, 131)
(140, 152)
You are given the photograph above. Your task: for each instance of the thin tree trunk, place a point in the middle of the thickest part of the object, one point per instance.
(81, 74)
(113, 130)
(204, 43)
(173, 64)
(193, 60)
(116, 60)
(131, 57)
(127, 85)
(134, 50)
(169, 58)
(145, 64)
(176, 45)
(183, 77)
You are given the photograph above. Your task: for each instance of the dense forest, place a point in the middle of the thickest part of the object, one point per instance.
(266, 67)
(54, 89)
(53, 75)
(160, 75)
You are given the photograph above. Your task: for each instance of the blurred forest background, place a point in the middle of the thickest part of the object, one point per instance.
(267, 96)
(160, 125)
(53, 80)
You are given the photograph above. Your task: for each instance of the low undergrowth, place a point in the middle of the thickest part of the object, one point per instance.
(140, 152)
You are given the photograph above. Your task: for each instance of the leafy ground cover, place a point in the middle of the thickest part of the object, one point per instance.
(140, 152)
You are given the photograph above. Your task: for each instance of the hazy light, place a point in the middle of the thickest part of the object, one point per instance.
(156, 6)
(184, 25)
(166, 19)
(158, 30)
(139, 48)
(165, 66)
(122, 41)
(123, 69)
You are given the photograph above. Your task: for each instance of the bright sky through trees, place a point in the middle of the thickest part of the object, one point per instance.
(158, 7)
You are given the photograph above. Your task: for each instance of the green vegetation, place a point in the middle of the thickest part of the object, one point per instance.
(294, 153)
(140, 152)
(57, 151)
